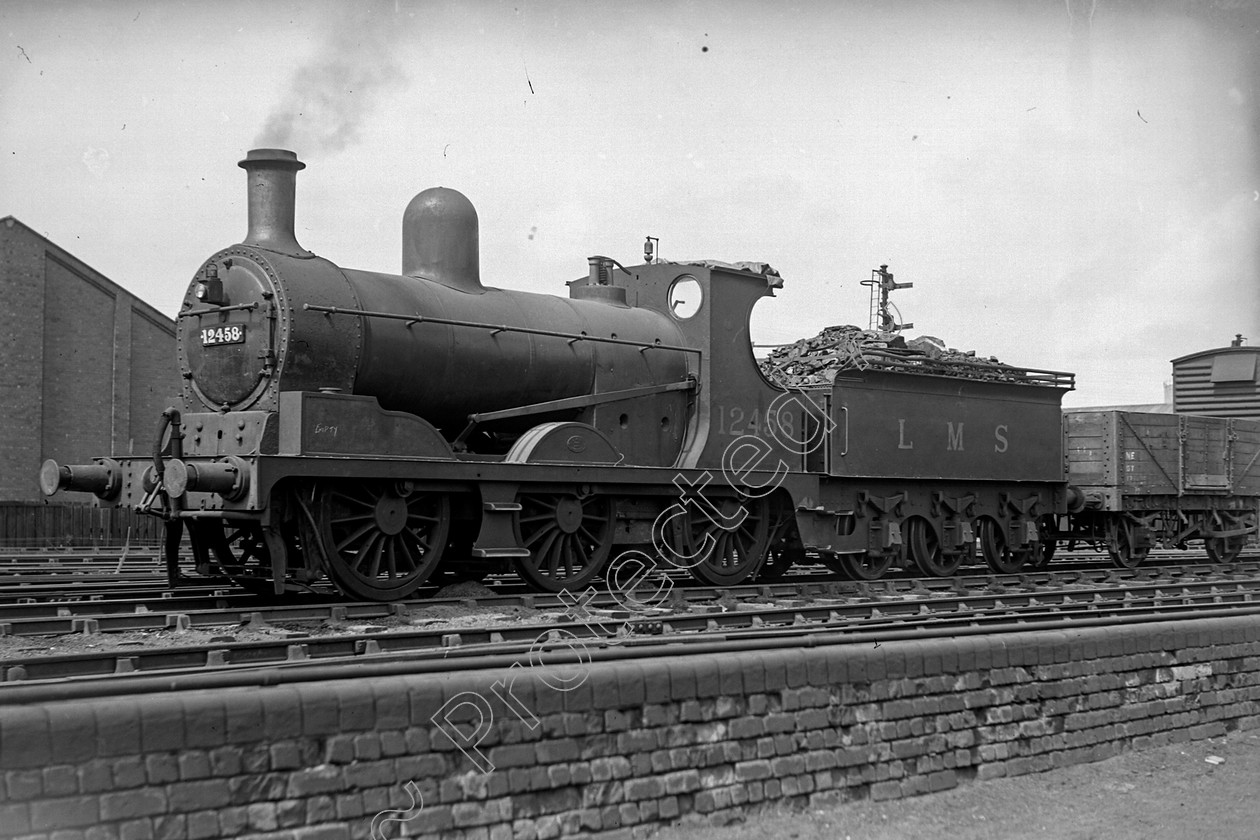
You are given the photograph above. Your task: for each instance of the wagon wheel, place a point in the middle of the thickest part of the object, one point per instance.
(1224, 549)
(569, 539)
(925, 549)
(1120, 546)
(870, 565)
(729, 556)
(1000, 557)
(381, 539)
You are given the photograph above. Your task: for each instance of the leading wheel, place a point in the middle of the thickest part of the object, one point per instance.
(240, 552)
(997, 553)
(724, 546)
(925, 549)
(381, 539)
(238, 547)
(568, 538)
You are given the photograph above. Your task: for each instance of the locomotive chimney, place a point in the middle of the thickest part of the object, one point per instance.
(271, 178)
(440, 240)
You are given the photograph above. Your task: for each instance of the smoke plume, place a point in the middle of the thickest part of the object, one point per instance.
(331, 94)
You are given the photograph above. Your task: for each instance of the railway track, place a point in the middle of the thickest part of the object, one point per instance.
(141, 608)
(111, 575)
(84, 559)
(350, 632)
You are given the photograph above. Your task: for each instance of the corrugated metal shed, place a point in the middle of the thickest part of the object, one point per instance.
(1219, 383)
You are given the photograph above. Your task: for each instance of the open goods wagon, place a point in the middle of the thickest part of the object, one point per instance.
(1166, 478)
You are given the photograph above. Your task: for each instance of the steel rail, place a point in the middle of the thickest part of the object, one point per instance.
(220, 606)
(214, 609)
(170, 603)
(795, 619)
(54, 572)
(369, 668)
(129, 591)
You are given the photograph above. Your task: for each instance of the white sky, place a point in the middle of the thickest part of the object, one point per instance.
(1066, 190)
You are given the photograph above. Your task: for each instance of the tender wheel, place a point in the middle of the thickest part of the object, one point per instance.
(381, 540)
(868, 566)
(1223, 549)
(997, 553)
(733, 554)
(569, 539)
(1120, 547)
(925, 549)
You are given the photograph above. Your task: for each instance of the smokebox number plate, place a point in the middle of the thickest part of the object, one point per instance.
(226, 334)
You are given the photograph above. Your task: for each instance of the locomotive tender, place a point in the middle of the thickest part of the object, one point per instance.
(374, 427)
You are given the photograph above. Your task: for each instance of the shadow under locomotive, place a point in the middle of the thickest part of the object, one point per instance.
(374, 428)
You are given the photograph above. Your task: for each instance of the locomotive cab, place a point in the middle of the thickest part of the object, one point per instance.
(711, 303)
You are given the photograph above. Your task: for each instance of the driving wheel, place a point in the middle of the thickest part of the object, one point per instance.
(568, 537)
(381, 539)
(723, 548)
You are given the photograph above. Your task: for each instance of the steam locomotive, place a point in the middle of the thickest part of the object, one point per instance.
(373, 429)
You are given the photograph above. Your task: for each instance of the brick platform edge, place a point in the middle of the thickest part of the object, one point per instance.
(636, 744)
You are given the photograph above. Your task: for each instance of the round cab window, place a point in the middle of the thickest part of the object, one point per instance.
(685, 297)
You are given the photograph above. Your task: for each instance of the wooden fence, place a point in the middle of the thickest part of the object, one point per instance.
(43, 525)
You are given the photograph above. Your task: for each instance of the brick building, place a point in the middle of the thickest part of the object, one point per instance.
(85, 366)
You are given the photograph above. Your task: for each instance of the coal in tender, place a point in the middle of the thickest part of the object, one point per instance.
(814, 362)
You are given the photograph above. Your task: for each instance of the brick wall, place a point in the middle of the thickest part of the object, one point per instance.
(637, 743)
(21, 359)
(154, 381)
(78, 340)
(85, 367)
